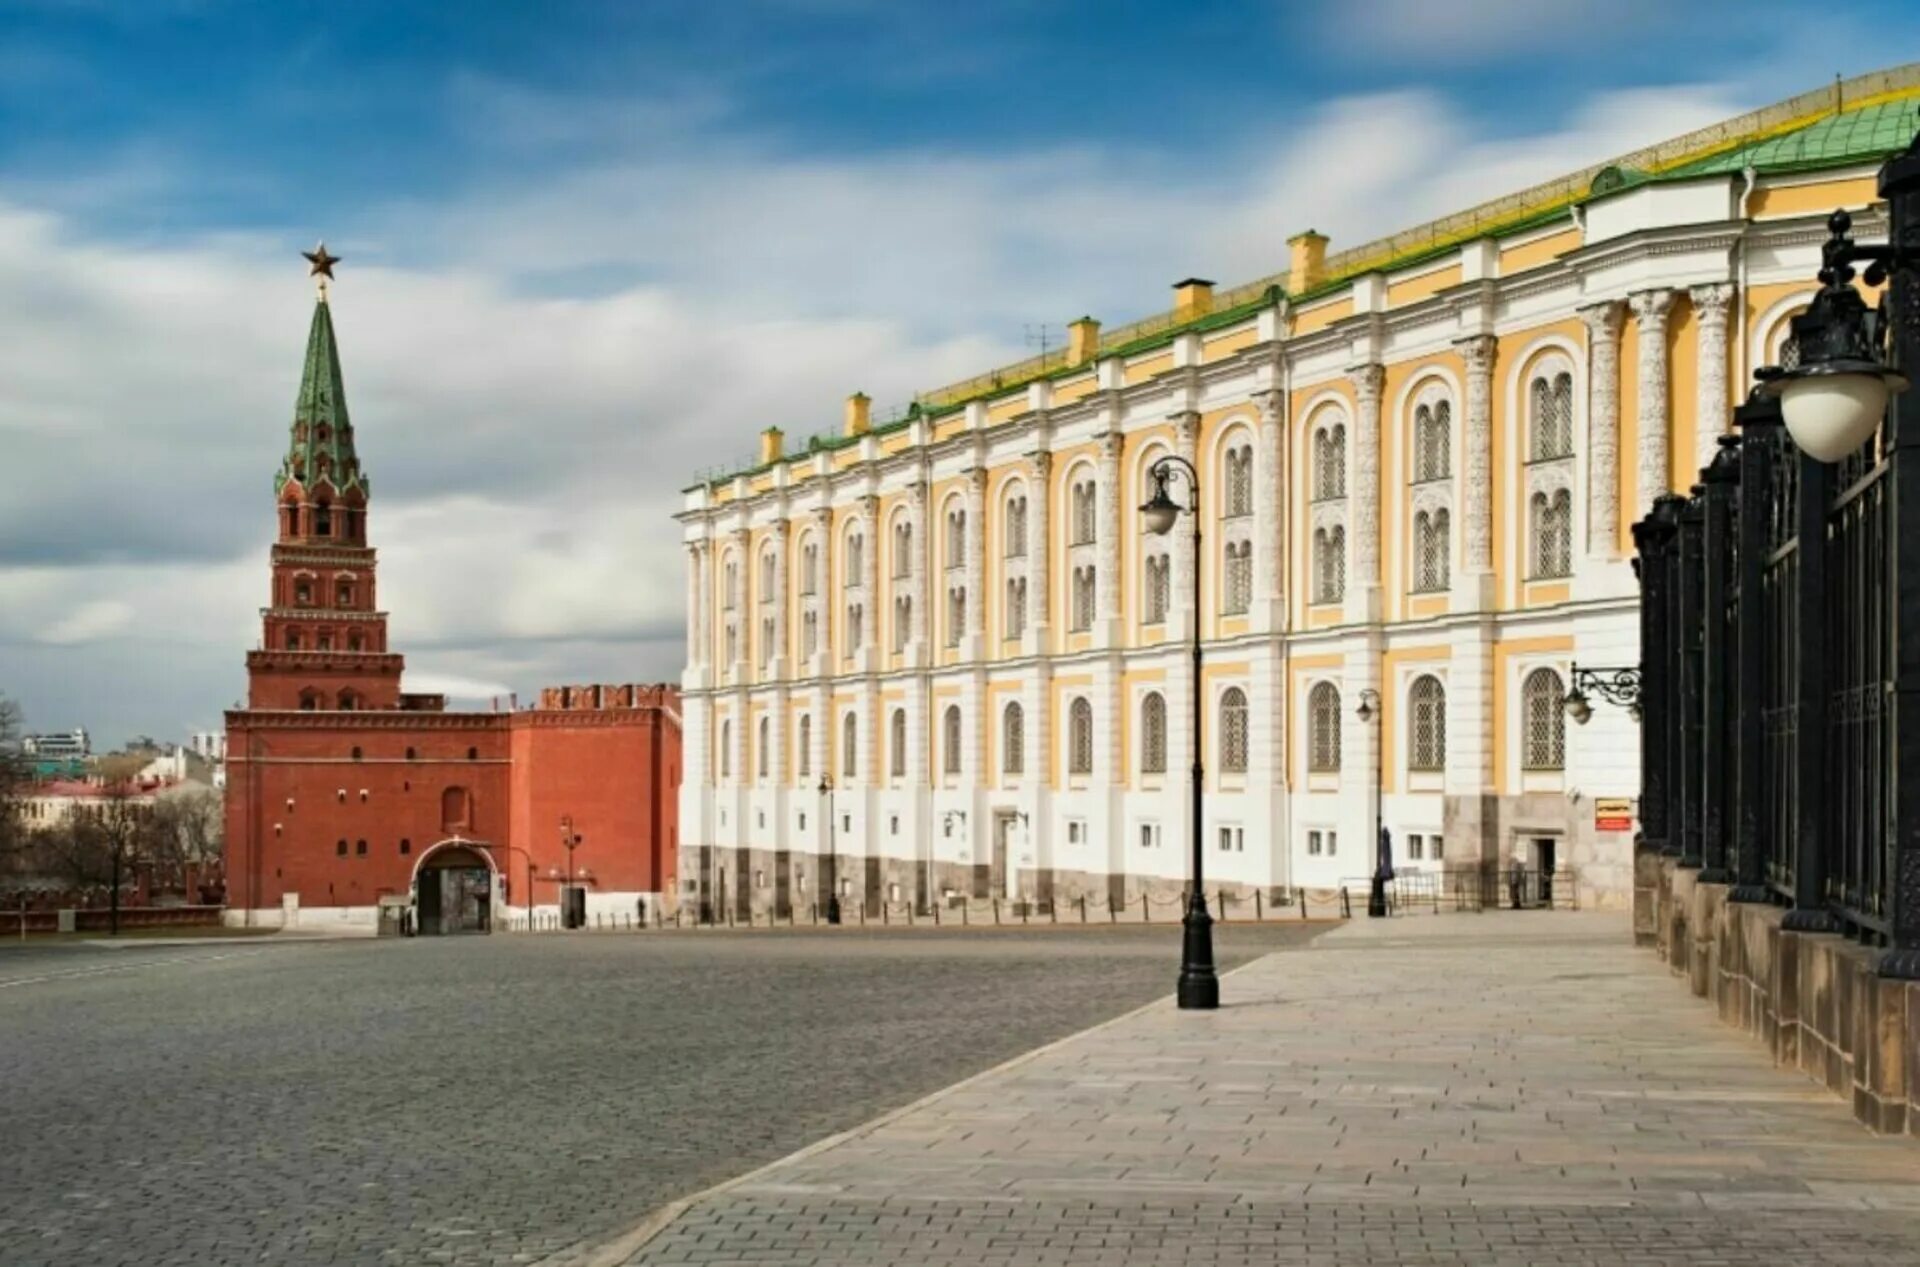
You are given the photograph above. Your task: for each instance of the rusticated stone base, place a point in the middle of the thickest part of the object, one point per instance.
(1815, 1000)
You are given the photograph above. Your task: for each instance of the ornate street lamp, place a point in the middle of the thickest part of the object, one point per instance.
(1369, 709)
(1199, 987)
(1834, 386)
(1617, 686)
(832, 877)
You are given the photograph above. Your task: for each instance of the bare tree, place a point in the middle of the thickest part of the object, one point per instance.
(14, 770)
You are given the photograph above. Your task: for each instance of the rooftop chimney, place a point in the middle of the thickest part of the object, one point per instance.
(1192, 298)
(859, 414)
(1083, 340)
(770, 445)
(1308, 261)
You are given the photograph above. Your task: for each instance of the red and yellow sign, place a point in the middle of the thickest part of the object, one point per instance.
(1612, 813)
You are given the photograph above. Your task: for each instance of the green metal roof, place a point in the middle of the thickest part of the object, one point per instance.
(1863, 135)
(321, 444)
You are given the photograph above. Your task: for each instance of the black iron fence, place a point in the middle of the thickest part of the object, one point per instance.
(1774, 598)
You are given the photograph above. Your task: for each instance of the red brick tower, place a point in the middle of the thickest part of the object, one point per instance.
(324, 645)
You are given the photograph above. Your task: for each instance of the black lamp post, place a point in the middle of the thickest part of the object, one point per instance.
(571, 839)
(1199, 986)
(1382, 859)
(831, 879)
(1617, 686)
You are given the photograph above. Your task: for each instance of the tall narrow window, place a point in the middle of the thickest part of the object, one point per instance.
(765, 755)
(856, 627)
(809, 568)
(1016, 528)
(1330, 462)
(1550, 432)
(1080, 737)
(1427, 702)
(956, 539)
(1329, 564)
(1083, 598)
(1433, 441)
(1013, 739)
(1239, 471)
(806, 746)
(897, 744)
(950, 740)
(1084, 513)
(1153, 733)
(1323, 729)
(1155, 590)
(956, 614)
(1544, 716)
(1551, 524)
(1233, 730)
(1431, 547)
(1016, 607)
(726, 749)
(1237, 583)
(849, 748)
(856, 560)
(902, 550)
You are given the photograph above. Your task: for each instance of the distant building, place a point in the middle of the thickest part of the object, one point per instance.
(345, 793)
(61, 747)
(211, 744)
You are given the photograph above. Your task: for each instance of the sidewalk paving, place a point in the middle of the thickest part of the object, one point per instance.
(1456, 1089)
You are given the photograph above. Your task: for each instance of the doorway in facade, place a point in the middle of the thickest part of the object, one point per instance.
(1543, 864)
(454, 892)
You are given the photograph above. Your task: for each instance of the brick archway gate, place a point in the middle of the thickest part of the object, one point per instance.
(455, 888)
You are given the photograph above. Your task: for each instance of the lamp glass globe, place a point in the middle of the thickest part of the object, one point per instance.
(1832, 415)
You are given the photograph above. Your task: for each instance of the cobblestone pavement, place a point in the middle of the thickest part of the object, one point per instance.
(1490, 1089)
(488, 1100)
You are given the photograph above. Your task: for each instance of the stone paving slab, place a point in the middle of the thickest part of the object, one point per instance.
(1506, 1087)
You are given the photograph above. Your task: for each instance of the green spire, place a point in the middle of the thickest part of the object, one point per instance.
(322, 438)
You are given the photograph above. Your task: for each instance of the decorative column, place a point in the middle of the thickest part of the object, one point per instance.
(1652, 419)
(1476, 474)
(1712, 408)
(1604, 322)
(696, 609)
(742, 612)
(973, 635)
(1039, 566)
(1186, 443)
(1363, 507)
(918, 625)
(1107, 507)
(825, 599)
(1270, 511)
(777, 664)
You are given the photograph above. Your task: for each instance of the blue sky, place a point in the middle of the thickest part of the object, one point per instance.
(592, 247)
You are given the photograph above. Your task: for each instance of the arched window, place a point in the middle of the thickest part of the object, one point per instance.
(1433, 441)
(730, 585)
(809, 568)
(1432, 542)
(1084, 512)
(1427, 702)
(309, 701)
(1239, 474)
(956, 539)
(726, 749)
(1153, 733)
(856, 627)
(902, 622)
(902, 549)
(347, 701)
(1551, 524)
(897, 744)
(849, 747)
(1550, 430)
(293, 640)
(1080, 737)
(1237, 582)
(1016, 607)
(1233, 730)
(1329, 564)
(1323, 729)
(343, 594)
(1330, 462)
(856, 560)
(456, 810)
(353, 640)
(323, 520)
(1016, 527)
(1083, 598)
(950, 739)
(302, 592)
(806, 745)
(1013, 739)
(1156, 590)
(956, 614)
(766, 575)
(1542, 703)
(764, 758)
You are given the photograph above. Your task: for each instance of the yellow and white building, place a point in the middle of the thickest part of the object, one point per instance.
(1420, 462)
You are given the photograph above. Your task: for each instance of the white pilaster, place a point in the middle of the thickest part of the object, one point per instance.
(1712, 411)
(1475, 591)
(1109, 512)
(1186, 443)
(1604, 322)
(1653, 419)
(1270, 513)
(1039, 553)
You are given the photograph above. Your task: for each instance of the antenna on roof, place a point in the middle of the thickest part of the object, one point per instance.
(1041, 336)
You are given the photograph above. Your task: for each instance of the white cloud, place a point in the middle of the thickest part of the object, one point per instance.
(89, 622)
(536, 368)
